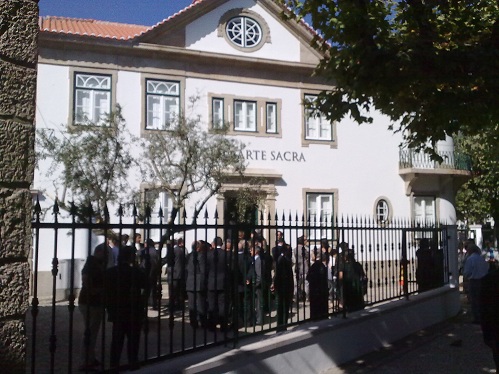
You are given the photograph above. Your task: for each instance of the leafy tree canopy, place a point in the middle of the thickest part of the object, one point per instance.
(189, 162)
(431, 66)
(478, 199)
(95, 161)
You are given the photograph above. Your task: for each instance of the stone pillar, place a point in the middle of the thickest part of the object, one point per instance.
(18, 58)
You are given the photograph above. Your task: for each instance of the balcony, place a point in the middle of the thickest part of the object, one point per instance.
(411, 159)
(419, 171)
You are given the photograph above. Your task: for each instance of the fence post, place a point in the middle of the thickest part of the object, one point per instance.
(405, 284)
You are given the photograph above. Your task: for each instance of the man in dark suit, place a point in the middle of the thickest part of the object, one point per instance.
(216, 263)
(243, 277)
(256, 276)
(283, 286)
(176, 274)
(125, 285)
(196, 283)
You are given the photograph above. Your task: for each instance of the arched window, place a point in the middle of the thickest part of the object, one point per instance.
(382, 211)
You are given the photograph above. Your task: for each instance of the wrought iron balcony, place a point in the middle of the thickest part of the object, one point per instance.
(411, 159)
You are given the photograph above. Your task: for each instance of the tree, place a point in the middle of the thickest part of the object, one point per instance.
(188, 162)
(478, 199)
(431, 66)
(95, 162)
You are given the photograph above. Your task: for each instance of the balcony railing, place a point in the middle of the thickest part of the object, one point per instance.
(409, 158)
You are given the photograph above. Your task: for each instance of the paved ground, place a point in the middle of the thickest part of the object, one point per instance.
(453, 347)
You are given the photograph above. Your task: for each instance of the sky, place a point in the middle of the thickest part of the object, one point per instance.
(140, 12)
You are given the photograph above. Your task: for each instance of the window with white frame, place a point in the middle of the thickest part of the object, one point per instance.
(244, 32)
(163, 104)
(271, 112)
(320, 207)
(319, 214)
(382, 211)
(92, 98)
(424, 210)
(317, 127)
(217, 112)
(244, 115)
(157, 200)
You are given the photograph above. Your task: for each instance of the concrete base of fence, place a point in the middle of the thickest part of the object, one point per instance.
(318, 346)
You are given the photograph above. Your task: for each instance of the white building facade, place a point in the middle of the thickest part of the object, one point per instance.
(253, 70)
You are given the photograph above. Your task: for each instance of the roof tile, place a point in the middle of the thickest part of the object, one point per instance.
(90, 27)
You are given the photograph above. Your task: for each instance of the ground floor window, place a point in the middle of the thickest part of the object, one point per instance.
(319, 208)
(159, 201)
(424, 210)
(382, 211)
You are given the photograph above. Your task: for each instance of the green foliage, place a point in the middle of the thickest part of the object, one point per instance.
(478, 199)
(431, 66)
(95, 161)
(248, 197)
(189, 162)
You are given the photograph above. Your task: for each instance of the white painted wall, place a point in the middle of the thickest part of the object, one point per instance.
(363, 168)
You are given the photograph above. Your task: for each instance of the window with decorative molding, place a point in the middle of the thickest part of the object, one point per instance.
(245, 115)
(162, 104)
(92, 98)
(319, 208)
(317, 127)
(217, 112)
(271, 113)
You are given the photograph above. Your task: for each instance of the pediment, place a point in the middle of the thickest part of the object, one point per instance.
(172, 32)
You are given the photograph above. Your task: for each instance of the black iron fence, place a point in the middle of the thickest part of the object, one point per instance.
(209, 282)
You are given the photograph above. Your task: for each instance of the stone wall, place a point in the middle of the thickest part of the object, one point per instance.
(18, 57)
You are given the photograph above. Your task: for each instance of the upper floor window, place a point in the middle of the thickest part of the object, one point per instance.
(244, 32)
(271, 112)
(92, 98)
(163, 104)
(217, 112)
(244, 115)
(317, 127)
(249, 115)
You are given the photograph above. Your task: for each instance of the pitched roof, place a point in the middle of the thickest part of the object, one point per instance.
(115, 30)
(90, 27)
(101, 29)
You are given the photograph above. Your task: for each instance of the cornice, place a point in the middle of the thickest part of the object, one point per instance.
(50, 46)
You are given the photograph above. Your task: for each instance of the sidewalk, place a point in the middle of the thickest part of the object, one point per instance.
(454, 346)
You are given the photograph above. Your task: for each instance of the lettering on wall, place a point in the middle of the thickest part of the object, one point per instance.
(264, 155)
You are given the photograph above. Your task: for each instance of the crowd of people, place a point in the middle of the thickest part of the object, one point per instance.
(226, 284)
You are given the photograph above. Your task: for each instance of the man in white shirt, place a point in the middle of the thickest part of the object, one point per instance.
(475, 268)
